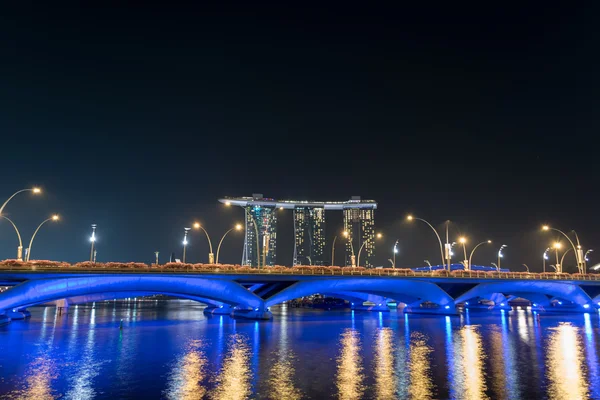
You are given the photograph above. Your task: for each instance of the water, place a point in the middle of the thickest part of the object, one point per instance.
(170, 350)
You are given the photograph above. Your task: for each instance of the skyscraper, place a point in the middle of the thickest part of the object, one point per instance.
(359, 223)
(261, 223)
(309, 235)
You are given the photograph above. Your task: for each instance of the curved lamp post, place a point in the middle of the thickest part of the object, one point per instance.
(526, 267)
(500, 255)
(557, 247)
(185, 242)
(237, 227)
(378, 236)
(52, 218)
(410, 218)
(585, 257)
(497, 267)
(428, 263)
(333, 250)
(352, 257)
(34, 190)
(463, 241)
(211, 255)
(548, 228)
(475, 248)
(544, 258)
(395, 251)
(20, 248)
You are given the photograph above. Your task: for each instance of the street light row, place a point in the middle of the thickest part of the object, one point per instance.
(211, 256)
(54, 217)
(446, 249)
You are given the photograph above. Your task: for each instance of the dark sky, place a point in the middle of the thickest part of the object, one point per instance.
(138, 116)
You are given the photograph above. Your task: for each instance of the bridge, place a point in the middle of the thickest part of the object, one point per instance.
(249, 293)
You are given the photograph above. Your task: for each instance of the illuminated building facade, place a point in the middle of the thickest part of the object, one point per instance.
(309, 229)
(261, 222)
(359, 223)
(309, 236)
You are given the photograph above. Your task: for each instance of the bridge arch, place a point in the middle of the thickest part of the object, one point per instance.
(532, 290)
(44, 290)
(403, 290)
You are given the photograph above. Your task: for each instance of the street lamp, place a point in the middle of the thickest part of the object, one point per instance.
(211, 255)
(544, 258)
(577, 255)
(410, 218)
(526, 267)
(585, 257)
(394, 254)
(333, 250)
(52, 218)
(352, 257)
(185, 242)
(237, 227)
(35, 190)
(93, 240)
(473, 251)
(377, 236)
(156, 255)
(428, 263)
(500, 255)
(557, 247)
(20, 248)
(463, 241)
(497, 267)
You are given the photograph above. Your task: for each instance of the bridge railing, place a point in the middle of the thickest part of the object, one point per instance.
(171, 268)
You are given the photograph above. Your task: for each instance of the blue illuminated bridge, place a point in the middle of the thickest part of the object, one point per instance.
(251, 294)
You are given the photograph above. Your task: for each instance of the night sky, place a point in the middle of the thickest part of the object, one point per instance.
(138, 117)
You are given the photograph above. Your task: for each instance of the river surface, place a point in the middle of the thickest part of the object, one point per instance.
(168, 349)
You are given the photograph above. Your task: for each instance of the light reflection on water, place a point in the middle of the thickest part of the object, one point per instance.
(349, 367)
(171, 350)
(233, 381)
(565, 364)
(419, 366)
(186, 381)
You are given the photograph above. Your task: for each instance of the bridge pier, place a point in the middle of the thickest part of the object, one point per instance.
(259, 313)
(18, 314)
(222, 309)
(441, 309)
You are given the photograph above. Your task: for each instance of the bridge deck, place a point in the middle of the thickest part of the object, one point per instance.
(41, 272)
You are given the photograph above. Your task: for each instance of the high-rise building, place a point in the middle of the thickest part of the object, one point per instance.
(309, 229)
(309, 235)
(261, 223)
(359, 225)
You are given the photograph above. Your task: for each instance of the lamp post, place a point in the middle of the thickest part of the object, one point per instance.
(34, 190)
(185, 242)
(497, 267)
(473, 251)
(544, 258)
(156, 255)
(333, 250)
(378, 236)
(585, 258)
(526, 267)
(548, 228)
(395, 251)
(580, 256)
(428, 263)
(20, 248)
(352, 257)
(463, 241)
(52, 218)
(93, 240)
(557, 247)
(562, 259)
(211, 255)
(500, 255)
(410, 218)
(237, 227)
(554, 266)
